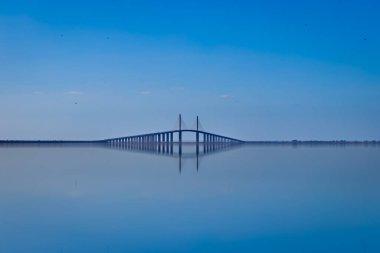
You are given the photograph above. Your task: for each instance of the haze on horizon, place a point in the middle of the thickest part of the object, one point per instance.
(273, 70)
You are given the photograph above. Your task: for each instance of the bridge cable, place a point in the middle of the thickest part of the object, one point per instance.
(194, 125)
(183, 124)
(200, 126)
(176, 125)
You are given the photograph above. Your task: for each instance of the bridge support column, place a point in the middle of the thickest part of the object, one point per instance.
(171, 143)
(180, 130)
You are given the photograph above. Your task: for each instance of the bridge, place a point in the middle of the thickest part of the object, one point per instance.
(171, 144)
(175, 136)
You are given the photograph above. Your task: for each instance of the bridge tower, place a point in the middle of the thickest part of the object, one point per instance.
(197, 141)
(180, 130)
(197, 133)
(180, 140)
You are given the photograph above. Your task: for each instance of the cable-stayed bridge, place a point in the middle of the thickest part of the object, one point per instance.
(170, 143)
(175, 136)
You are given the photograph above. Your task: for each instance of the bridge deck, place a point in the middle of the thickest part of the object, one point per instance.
(176, 131)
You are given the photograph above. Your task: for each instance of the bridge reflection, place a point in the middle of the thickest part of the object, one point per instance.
(179, 151)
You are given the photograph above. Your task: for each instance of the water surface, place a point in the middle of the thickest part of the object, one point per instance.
(255, 198)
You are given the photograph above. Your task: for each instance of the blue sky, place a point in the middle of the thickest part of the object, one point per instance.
(250, 69)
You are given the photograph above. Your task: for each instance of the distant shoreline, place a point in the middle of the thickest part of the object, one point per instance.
(293, 142)
(299, 142)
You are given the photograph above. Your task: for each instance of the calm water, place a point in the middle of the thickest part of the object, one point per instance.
(247, 199)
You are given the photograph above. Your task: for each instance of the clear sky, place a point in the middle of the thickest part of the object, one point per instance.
(256, 70)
